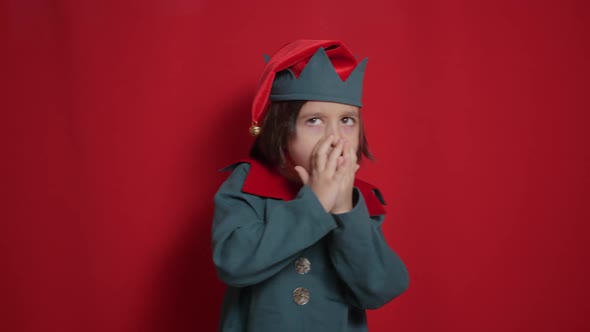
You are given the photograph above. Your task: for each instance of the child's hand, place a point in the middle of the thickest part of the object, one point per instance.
(348, 167)
(326, 177)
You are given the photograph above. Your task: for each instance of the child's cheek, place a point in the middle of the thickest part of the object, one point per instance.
(314, 130)
(312, 134)
(349, 131)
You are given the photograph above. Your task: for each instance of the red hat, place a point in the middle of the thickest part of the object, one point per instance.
(295, 56)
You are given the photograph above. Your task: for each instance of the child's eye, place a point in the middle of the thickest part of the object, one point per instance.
(314, 121)
(349, 121)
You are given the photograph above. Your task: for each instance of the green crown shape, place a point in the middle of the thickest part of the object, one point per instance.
(320, 81)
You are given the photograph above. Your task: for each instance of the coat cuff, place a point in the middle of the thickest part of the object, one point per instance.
(315, 209)
(357, 216)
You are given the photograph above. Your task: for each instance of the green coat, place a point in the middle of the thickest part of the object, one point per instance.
(348, 266)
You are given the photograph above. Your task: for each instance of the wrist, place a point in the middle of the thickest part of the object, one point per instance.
(347, 204)
(344, 208)
(322, 198)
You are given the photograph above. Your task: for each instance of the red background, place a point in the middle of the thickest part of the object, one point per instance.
(117, 114)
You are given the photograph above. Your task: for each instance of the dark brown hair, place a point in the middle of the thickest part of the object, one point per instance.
(279, 126)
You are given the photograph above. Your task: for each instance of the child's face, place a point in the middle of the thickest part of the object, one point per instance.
(317, 119)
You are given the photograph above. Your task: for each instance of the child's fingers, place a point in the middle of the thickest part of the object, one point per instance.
(322, 152)
(343, 166)
(348, 166)
(334, 155)
(350, 155)
(314, 154)
(353, 155)
(340, 162)
(303, 174)
(346, 153)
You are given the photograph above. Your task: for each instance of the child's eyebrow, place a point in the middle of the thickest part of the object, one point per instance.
(320, 113)
(351, 114)
(312, 115)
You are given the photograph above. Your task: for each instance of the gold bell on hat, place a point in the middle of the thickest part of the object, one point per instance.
(255, 129)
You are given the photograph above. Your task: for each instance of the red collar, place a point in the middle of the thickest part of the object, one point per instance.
(266, 182)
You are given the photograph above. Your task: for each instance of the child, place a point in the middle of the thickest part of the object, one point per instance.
(296, 237)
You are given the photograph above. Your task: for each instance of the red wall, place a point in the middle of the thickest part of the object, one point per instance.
(116, 115)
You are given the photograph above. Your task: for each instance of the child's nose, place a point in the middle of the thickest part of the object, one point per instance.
(334, 129)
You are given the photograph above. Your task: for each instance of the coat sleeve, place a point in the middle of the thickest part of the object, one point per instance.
(251, 242)
(373, 272)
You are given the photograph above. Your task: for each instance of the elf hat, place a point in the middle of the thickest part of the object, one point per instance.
(322, 70)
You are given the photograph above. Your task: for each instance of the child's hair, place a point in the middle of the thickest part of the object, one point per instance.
(279, 126)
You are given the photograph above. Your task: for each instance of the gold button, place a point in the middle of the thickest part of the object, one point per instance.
(302, 265)
(301, 296)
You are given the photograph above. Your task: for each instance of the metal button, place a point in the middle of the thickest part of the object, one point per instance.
(302, 265)
(301, 296)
